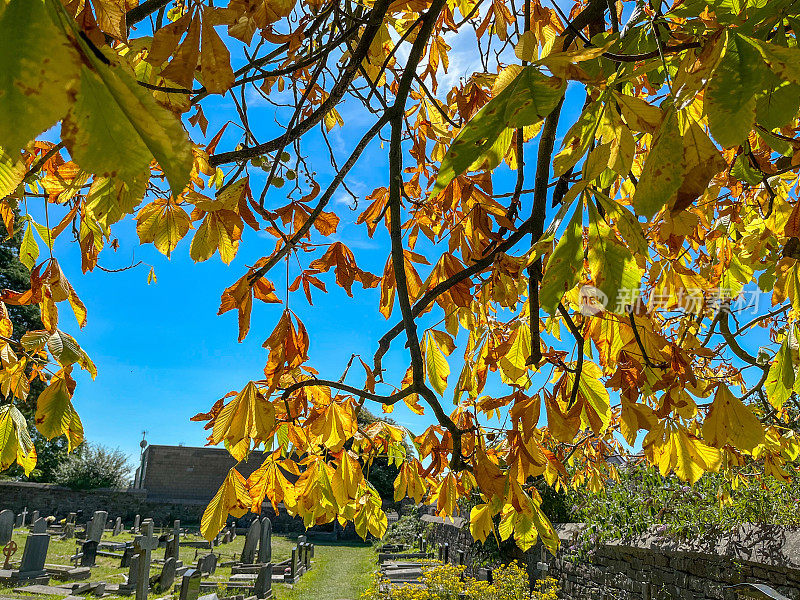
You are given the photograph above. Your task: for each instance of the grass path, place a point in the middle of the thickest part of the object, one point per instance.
(342, 571)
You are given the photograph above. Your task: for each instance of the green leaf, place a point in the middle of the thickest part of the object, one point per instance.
(528, 99)
(781, 377)
(152, 125)
(37, 68)
(730, 97)
(28, 249)
(11, 174)
(99, 135)
(778, 105)
(611, 264)
(663, 171)
(564, 266)
(744, 171)
(578, 138)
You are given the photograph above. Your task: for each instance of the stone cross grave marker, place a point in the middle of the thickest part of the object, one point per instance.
(89, 553)
(265, 545)
(143, 546)
(33, 557)
(541, 566)
(251, 542)
(263, 585)
(190, 585)
(96, 527)
(6, 526)
(23, 516)
(39, 526)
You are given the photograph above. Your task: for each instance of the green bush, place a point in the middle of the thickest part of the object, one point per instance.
(642, 499)
(92, 467)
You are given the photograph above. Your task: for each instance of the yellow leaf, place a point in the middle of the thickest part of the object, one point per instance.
(480, 522)
(436, 364)
(163, 223)
(249, 416)
(231, 498)
(729, 421)
(215, 59)
(55, 414)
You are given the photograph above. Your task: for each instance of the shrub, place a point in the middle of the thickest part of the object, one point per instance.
(94, 466)
(447, 582)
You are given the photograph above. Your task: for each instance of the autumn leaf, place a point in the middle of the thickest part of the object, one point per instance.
(55, 414)
(232, 498)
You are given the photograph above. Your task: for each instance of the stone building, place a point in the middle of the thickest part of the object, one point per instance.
(185, 474)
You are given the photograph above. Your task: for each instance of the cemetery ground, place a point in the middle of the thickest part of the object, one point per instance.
(342, 570)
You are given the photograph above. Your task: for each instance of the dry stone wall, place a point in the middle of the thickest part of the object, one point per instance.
(654, 567)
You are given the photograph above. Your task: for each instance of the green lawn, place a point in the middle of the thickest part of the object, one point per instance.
(341, 570)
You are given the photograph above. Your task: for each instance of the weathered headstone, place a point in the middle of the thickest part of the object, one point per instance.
(251, 543)
(293, 565)
(33, 557)
(171, 550)
(207, 564)
(136, 521)
(117, 526)
(89, 553)
(129, 586)
(39, 526)
(167, 577)
(190, 585)
(6, 526)
(34, 516)
(265, 544)
(127, 554)
(446, 557)
(96, 527)
(23, 517)
(263, 585)
(461, 557)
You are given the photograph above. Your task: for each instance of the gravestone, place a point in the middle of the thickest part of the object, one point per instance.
(307, 556)
(117, 526)
(263, 585)
(440, 552)
(129, 586)
(293, 565)
(207, 564)
(136, 521)
(251, 543)
(6, 526)
(171, 550)
(69, 526)
(39, 526)
(23, 517)
(166, 579)
(34, 516)
(33, 557)
(89, 553)
(127, 554)
(143, 546)
(265, 544)
(446, 557)
(190, 585)
(96, 527)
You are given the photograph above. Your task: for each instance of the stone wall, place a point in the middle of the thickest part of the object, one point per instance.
(650, 567)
